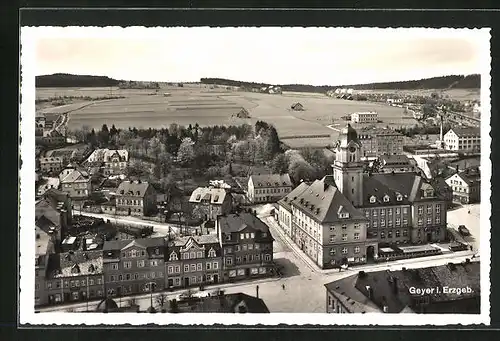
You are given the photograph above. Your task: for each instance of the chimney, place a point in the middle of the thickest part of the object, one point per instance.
(370, 292)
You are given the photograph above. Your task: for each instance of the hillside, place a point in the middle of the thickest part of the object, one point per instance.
(62, 80)
(445, 82)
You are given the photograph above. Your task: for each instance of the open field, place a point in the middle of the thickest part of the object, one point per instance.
(194, 104)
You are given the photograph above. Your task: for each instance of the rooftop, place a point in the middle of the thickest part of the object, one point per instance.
(200, 240)
(239, 221)
(468, 131)
(227, 303)
(285, 201)
(271, 180)
(133, 188)
(210, 194)
(75, 263)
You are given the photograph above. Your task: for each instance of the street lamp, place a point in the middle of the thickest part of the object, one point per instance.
(151, 285)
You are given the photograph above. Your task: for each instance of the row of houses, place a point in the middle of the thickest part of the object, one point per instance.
(241, 248)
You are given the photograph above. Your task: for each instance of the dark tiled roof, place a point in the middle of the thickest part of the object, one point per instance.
(467, 131)
(44, 208)
(132, 188)
(466, 163)
(271, 180)
(345, 290)
(200, 240)
(214, 195)
(77, 263)
(384, 284)
(228, 303)
(322, 201)
(238, 222)
(285, 202)
(144, 242)
(471, 178)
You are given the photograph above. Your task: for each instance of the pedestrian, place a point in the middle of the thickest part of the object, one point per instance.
(283, 286)
(468, 212)
(471, 248)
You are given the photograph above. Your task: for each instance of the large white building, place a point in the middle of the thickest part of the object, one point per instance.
(364, 117)
(463, 139)
(268, 187)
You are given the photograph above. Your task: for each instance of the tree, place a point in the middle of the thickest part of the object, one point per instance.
(300, 170)
(174, 306)
(103, 136)
(186, 154)
(161, 299)
(279, 164)
(136, 169)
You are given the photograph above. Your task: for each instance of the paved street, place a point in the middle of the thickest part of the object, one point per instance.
(461, 216)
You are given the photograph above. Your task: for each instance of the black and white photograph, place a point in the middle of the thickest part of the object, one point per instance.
(244, 175)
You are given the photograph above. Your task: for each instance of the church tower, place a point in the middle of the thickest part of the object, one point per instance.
(348, 168)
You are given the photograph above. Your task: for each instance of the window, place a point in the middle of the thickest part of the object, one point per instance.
(127, 277)
(244, 247)
(429, 220)
(252, 235)
(211, 253)
(420, 209)
(114, 266)
(127, 265)
(170, 269)
(405, 222)
(236, 248)
(344, 237)
(268, 257)
(173, 256)
(398, 210)
(242, 236)
(438, 208)
(399, 197)
(420, 222)
(186, 267)
(398, 233)
(199, 267)
(193, 267)
(389, 211)
(160, 274)
(153, 275)
(398, 221)
(405, 210)
(405, 233)
(429, 209)
(140, 263)
(120, 278)
(367, 213)
(208, 266)
(438, 220)
(375, 213)
(344, 250)
(375, 224)
(199, 254)
(382, 223)
(143, 252)
(256, 246)
(344, 226)
(356, 236)
(133, 253)
(356, 249)
(229, 261)
(177, 269)
(332, 252)
(192, 255)
(372, 199)
(49, 285)
(153, 262)
(238, 259)
(215, 265)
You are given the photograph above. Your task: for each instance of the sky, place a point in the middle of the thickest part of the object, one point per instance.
(316, 56)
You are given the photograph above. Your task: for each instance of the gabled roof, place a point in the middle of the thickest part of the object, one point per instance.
(142, 242)
(239, 221)
(286, 201)
(322, 201)
(103, 155)
(270, 180)
(211, 194)
(470, 178)
(132, 188)
(76, 176)
(200, 240)
(469, 131)
(76, 263)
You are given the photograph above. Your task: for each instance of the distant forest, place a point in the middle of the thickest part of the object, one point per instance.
(445, 82)
(63, 80)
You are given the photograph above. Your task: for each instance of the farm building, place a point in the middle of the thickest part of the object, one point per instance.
(243, 113)
(297, 107)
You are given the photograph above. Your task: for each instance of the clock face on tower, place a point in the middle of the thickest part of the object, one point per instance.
(352, 149)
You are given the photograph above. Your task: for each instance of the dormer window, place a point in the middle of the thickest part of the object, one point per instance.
(344, 215)
(75, 269)
(373, 199)
(91, 268)
(399, 197)
(386, 198)
(173, 256)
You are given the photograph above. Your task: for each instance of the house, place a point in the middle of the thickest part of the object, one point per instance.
(463, 139)
(285, 209)
(461, 165)
(51, 137)
(380, 141)
(223, 303)
(44, 247)
(51, 165)
(193, 260)
(67, 170)
(209, 202)
(268, 187)
(78, 184)
(134, 266)
(401, 291)
(109, 207)
(343, 217)
(47, 183)
(443, 189)
(53, 212)
(75, 276)
(297, 107)
(364, 117)
(466, 186)
(135, 198)
(114, 162)
(247, 246)
(396, 164)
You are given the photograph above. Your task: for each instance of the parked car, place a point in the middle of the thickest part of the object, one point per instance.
(463, 230)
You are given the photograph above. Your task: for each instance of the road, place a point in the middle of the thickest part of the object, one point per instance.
(303, 281)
